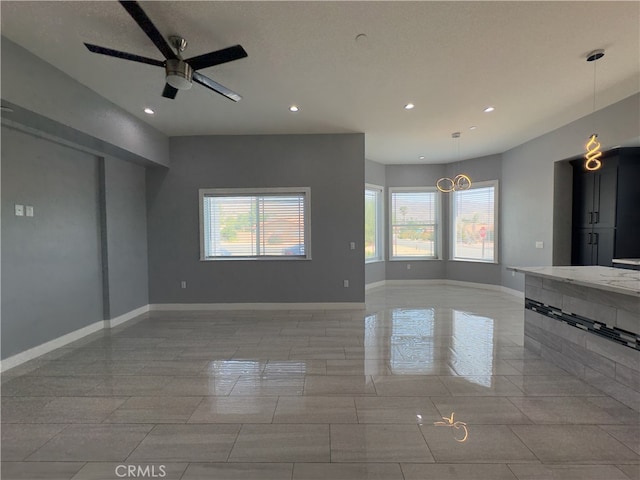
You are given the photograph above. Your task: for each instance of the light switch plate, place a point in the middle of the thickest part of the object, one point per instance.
(29, 210)
(539, 244)
(352, 245)
(19, 210)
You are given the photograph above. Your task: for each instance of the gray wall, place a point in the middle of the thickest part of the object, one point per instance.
(51, 265)
(480, 170)
(412, 176)
(375, 174)
(83, 257)
(61, 106)
(332, 165)
(125, 215)
(528, 181)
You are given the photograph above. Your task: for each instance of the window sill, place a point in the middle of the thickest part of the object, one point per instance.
(259, 259)
(377, 260)
(414, 259)
(469, 260)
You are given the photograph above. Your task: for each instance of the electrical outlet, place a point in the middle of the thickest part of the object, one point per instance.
(183, 284)
(352, 245)
(346, 283)
(408, 266)
(539, 244)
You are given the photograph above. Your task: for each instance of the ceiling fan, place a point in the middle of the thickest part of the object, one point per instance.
(180, 73)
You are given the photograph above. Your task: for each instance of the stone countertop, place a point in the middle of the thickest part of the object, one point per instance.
(627, 261)
(626, 282)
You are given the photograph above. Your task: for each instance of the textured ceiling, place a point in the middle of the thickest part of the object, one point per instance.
(451, 59)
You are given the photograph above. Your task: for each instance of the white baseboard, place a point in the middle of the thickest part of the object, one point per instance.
(68, 338)
(114, 322)
(49, 346)
(370, 286)
(515, 293)
(486, 286)
(256, 306)
(416, 283)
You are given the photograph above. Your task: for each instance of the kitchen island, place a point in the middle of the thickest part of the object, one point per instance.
(587, 321)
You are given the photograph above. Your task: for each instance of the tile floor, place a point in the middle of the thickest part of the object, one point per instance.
(324, 395)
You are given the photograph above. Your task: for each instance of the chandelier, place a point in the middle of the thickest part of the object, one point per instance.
(460, 181)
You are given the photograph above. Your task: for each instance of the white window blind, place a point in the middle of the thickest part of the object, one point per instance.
(414, 223)
(373, 224)
(254, 225)
(474, 219)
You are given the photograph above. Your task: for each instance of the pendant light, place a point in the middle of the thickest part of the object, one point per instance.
(593, 154)
(460, 181)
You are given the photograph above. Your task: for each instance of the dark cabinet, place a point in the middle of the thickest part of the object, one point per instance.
(593, 246)
(594, 195)
(606, 213)
(581, 248)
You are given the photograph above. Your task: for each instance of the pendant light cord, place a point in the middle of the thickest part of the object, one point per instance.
(594, 95)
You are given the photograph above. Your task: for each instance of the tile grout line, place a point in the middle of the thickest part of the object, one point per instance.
(142, 440)
(242, 425)
(524, 443)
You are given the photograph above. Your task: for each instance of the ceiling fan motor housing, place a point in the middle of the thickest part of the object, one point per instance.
(179, 74)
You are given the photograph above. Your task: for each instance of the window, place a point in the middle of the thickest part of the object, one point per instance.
(373, 224)
(414, 223)
(474, 219)
(255, 224)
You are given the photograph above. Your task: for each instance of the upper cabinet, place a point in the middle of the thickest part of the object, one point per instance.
(594, 195)
(606, 209)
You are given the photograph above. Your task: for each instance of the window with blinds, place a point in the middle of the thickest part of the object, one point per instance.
(255, 224)
(414, 223)
(373, 224)
(474, 219)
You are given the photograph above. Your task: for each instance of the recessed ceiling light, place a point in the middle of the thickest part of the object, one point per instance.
(473, 127)
(148, 111)
(409, 106)
(489, 109)
(421, 157)
(294, 108)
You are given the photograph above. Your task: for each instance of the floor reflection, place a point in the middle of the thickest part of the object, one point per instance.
(472, 347)
(411, 341)
(432, 341)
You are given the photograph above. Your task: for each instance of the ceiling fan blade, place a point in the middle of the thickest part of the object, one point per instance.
(148, 27)
(126, 56)
(169, 91)
(215, 86)
(216, 58)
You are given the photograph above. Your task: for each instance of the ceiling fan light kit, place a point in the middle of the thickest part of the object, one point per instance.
(180, 73)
